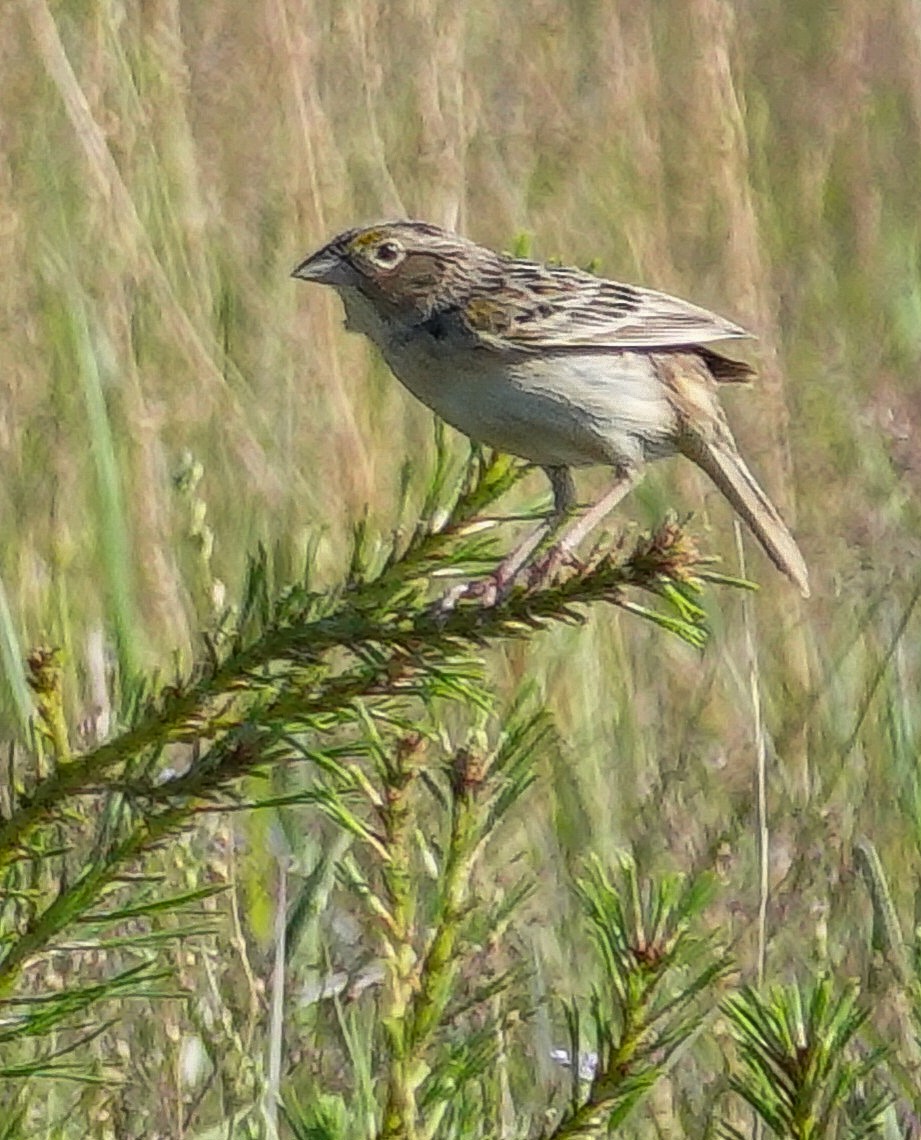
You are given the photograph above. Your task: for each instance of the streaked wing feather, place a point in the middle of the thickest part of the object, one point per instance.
(542, 308)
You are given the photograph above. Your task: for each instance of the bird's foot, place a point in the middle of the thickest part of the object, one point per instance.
(496, 587)
(549, 566)
(488, 591)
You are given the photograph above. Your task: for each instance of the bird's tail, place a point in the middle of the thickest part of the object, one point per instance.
(721, 460)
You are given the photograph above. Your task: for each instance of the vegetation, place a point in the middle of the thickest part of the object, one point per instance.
(283, 850)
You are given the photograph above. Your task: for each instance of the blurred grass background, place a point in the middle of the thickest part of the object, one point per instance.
(169, 397)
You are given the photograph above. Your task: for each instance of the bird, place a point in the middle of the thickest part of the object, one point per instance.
(553, 364)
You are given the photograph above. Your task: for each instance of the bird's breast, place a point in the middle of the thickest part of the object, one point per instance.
(555, 410)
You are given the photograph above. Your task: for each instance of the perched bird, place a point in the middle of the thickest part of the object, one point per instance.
(552, 364)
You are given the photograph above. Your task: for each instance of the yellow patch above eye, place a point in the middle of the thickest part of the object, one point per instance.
(367, 237)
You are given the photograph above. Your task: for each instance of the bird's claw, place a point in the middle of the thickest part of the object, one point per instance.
(488, 592)
(496, 587)
(545, 569)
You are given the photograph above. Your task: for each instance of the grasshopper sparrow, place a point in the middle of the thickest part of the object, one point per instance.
(551, 364)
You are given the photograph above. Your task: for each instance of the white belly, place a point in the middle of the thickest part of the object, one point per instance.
(563, 410)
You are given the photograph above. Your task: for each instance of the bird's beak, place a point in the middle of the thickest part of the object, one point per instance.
(325, 267)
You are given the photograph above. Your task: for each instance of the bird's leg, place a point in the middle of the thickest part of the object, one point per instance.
(496, 585)
(564, 499)
(567, 542)
(584, 525)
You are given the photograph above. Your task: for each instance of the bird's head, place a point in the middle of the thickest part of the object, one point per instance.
(406, 264)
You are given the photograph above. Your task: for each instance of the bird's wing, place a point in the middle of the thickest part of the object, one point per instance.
(536, 308)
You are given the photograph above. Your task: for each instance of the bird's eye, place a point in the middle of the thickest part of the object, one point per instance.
(387, 253)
